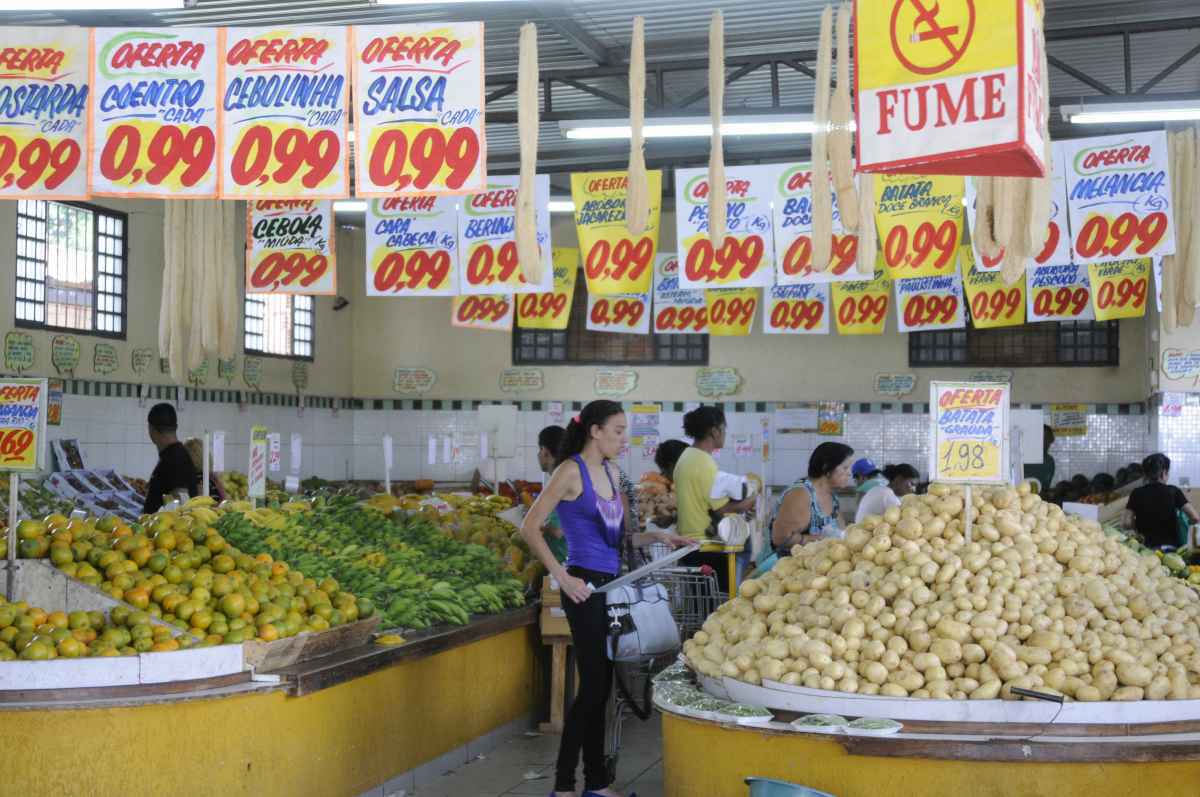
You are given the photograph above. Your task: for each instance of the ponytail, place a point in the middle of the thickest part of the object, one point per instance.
(579, 430)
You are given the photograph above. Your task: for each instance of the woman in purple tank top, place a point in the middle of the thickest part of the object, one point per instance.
(594, 520)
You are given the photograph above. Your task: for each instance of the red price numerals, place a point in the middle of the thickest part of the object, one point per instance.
(482, 308)
(14, 444)
(34, 158)
(1062, 302)
(706, 265)
(626, 260)
(394, 163)
(1098, 237)
(622, 311)
(694, 319)
(922, 310)
(292, 151)
(1053, 234)
(407, 270)
(996, 305)
(798, 258)
(864, 309)
(899, 251)
(1122, 292)
(798, 314)
(484, 258)
(278, 270)
(735, 312)
(168, 147)
(542, 305)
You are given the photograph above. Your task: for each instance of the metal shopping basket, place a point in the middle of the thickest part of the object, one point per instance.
(694, 596)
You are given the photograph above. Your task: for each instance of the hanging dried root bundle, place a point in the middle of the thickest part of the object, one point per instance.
(637, 198)
(822, 197)
(840, 112)
(528, 252)
(716, 103)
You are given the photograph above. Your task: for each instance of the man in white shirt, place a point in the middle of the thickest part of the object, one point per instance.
(899, 483)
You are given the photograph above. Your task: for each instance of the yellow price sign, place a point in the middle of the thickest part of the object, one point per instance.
(861, 307)
(993, 302)
(969, 431)
(731, 310)
(1119, 289)
(22, 423)
(552, 310)
(614, 261)
(920, 224)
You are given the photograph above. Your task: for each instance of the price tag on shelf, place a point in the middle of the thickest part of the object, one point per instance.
(278, 142)
(412, 246)
(861, 307)
(487, 239)
(629, 313)
(1058, 293)
(552, 310)
(405, 74)
(165, 148)
(1119, 197)
(929, 303)
(677, 311)
(296, 452)
(1119, 289)
(256, 472)
(797, 310)
(289, 247)
(22, 424)
(488, 313)
(792, 231)
(993, 303)
(745, 257)
(42, 157)
(731, 311)
(387, 452)
(273, 455)
(969, 431)
(920, 220)
(218, 452)
(614, 261)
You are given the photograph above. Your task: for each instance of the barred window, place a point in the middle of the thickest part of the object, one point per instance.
(71, 267)
(1083, 343)
(280, 325)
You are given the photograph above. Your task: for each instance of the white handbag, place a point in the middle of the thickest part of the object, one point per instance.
(733, 530)
(641, 626)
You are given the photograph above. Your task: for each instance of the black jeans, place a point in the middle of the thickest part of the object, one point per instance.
(584, 726)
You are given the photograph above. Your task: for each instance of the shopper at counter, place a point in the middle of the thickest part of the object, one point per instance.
(808, 510)
(666, 457)
(1044, 472)
(867, 476)
(1153, 509)
(584, 491)
(899, 483)
(174, 470)
(549, 443)
(696, 472)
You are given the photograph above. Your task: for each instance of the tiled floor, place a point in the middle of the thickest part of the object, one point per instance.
(524, 765)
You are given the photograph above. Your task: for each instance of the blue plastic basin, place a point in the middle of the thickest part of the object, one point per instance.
(766, 787)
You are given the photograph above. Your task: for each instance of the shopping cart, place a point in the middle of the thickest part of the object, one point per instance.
(694, 595)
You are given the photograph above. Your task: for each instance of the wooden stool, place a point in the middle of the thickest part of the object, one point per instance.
(558, 682)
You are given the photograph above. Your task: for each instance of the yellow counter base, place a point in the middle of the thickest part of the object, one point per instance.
(338, 742)
(705, 759)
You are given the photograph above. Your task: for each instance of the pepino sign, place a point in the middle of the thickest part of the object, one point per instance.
(953, 87)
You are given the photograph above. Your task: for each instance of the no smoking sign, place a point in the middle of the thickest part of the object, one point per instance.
(930, 36)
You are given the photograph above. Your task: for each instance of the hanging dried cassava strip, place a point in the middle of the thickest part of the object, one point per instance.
(528, 252)
(840, 112)
(716, 155)
(637, 196)
(822, 204)
(867, 241)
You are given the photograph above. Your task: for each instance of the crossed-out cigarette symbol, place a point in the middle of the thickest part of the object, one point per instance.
(927, 26)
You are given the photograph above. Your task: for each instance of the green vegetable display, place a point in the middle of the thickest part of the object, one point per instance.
(414, 573)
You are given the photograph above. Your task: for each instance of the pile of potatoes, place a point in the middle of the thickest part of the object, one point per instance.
(905, 606)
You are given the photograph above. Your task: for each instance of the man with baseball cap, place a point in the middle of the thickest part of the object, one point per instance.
(866, 475)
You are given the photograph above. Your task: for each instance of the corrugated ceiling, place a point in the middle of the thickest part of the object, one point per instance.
(576, 34)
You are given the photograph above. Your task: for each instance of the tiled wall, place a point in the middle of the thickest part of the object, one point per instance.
(1179, 439)
(347, 443)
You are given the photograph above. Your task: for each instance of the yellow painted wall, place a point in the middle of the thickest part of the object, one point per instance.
(337, 742)
(329, 374)
(417, 332)
(820, 763)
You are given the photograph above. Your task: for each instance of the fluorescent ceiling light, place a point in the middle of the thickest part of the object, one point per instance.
(1132, 112)
(101, 5)
(562, 206)
(688, 127)
(350, 206)
(426, 2)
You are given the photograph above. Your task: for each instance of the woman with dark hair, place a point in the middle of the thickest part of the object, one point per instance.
(667, 456)
(1153, 509)
(898, 483)
(590, 505)
(804, 515)
(696, 472)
